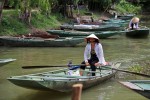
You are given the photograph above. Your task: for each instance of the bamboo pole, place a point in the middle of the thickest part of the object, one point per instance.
(77, 90)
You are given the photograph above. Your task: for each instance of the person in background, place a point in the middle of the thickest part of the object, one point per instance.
(78, 19)
(93, 54)
(115, 15)
(134, 23)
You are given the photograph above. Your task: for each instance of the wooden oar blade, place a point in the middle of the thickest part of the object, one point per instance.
(32, 67)
(47, 66)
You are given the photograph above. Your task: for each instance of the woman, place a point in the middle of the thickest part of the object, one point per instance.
(134, 23)
(93, 54)
(78, 19)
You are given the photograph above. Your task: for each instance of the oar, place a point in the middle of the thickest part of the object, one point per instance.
(47, 66)
(141, 74)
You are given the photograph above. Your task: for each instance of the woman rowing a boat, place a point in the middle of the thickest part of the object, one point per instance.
(134, 23)
(93, 54)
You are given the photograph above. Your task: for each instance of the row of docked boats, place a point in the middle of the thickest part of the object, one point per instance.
(67, 38)
(73, 34)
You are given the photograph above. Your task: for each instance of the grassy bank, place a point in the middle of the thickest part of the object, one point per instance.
(12, 25)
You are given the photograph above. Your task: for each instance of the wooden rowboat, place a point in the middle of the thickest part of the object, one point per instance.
(60, 80)
(40, 42)
(140, 86)
(6, 61)
(99, 34)
(138, 33)
(126, 17)
(41, 35)
(83, 27)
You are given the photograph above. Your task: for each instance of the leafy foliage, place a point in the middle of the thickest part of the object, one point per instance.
(126, 7)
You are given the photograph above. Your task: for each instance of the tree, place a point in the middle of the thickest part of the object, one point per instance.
(1, 8)
(25, 11)
(25, 7)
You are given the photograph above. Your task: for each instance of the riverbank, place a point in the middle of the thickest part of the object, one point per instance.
(12, 25)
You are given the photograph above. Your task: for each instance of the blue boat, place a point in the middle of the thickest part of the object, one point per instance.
(6, 61)
(140, 86)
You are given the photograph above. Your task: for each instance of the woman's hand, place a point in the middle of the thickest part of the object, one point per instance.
(87, 64)
(97, 64)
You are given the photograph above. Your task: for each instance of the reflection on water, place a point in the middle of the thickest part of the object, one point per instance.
(120, 49)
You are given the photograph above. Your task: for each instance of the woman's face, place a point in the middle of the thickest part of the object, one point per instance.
(92, 40)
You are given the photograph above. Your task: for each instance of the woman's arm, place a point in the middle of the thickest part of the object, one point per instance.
(100, 54)
(86, 53)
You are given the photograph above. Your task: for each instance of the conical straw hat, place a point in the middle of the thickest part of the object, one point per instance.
(92, 36)
(135, 20)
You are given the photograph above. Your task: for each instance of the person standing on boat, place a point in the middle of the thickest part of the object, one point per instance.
(134, 23)
(78, 19)
(93, 54)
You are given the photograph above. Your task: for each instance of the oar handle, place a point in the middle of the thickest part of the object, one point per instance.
(47, 66)
(131, 72)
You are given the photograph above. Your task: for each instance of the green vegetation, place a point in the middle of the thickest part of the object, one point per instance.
(41, 14)
(126, 7)
(12, 25)
(143, 66)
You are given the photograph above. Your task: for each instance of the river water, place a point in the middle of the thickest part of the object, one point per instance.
(128, 51)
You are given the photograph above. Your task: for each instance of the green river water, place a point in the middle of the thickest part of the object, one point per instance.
(116, 49)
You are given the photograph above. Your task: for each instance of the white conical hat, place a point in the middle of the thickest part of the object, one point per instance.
(92, 36)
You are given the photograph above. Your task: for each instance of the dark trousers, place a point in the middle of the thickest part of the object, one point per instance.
(91, 62)
(132, 25)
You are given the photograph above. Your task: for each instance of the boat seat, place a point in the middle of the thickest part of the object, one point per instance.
(50, 39)
(67, 76)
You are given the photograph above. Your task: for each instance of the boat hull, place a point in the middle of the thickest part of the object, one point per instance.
(92, 28)
(6, 61)
(40, 42)
(139, 33)
(54, 85)
(99, 34)
(140, 86)
(59, 80)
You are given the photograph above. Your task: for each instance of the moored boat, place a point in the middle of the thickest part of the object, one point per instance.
(126, 17)
(140, 86)
(72, 33)
(41, 35)
(6, 61)
(40, 42)
(60, 80)
(83, 27)
(138, 33)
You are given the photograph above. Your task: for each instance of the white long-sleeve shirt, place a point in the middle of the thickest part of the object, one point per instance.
(135, 25)
(98, 50)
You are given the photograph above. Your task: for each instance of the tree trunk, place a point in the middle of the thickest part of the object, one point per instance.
(25, 14)
(1, 8)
